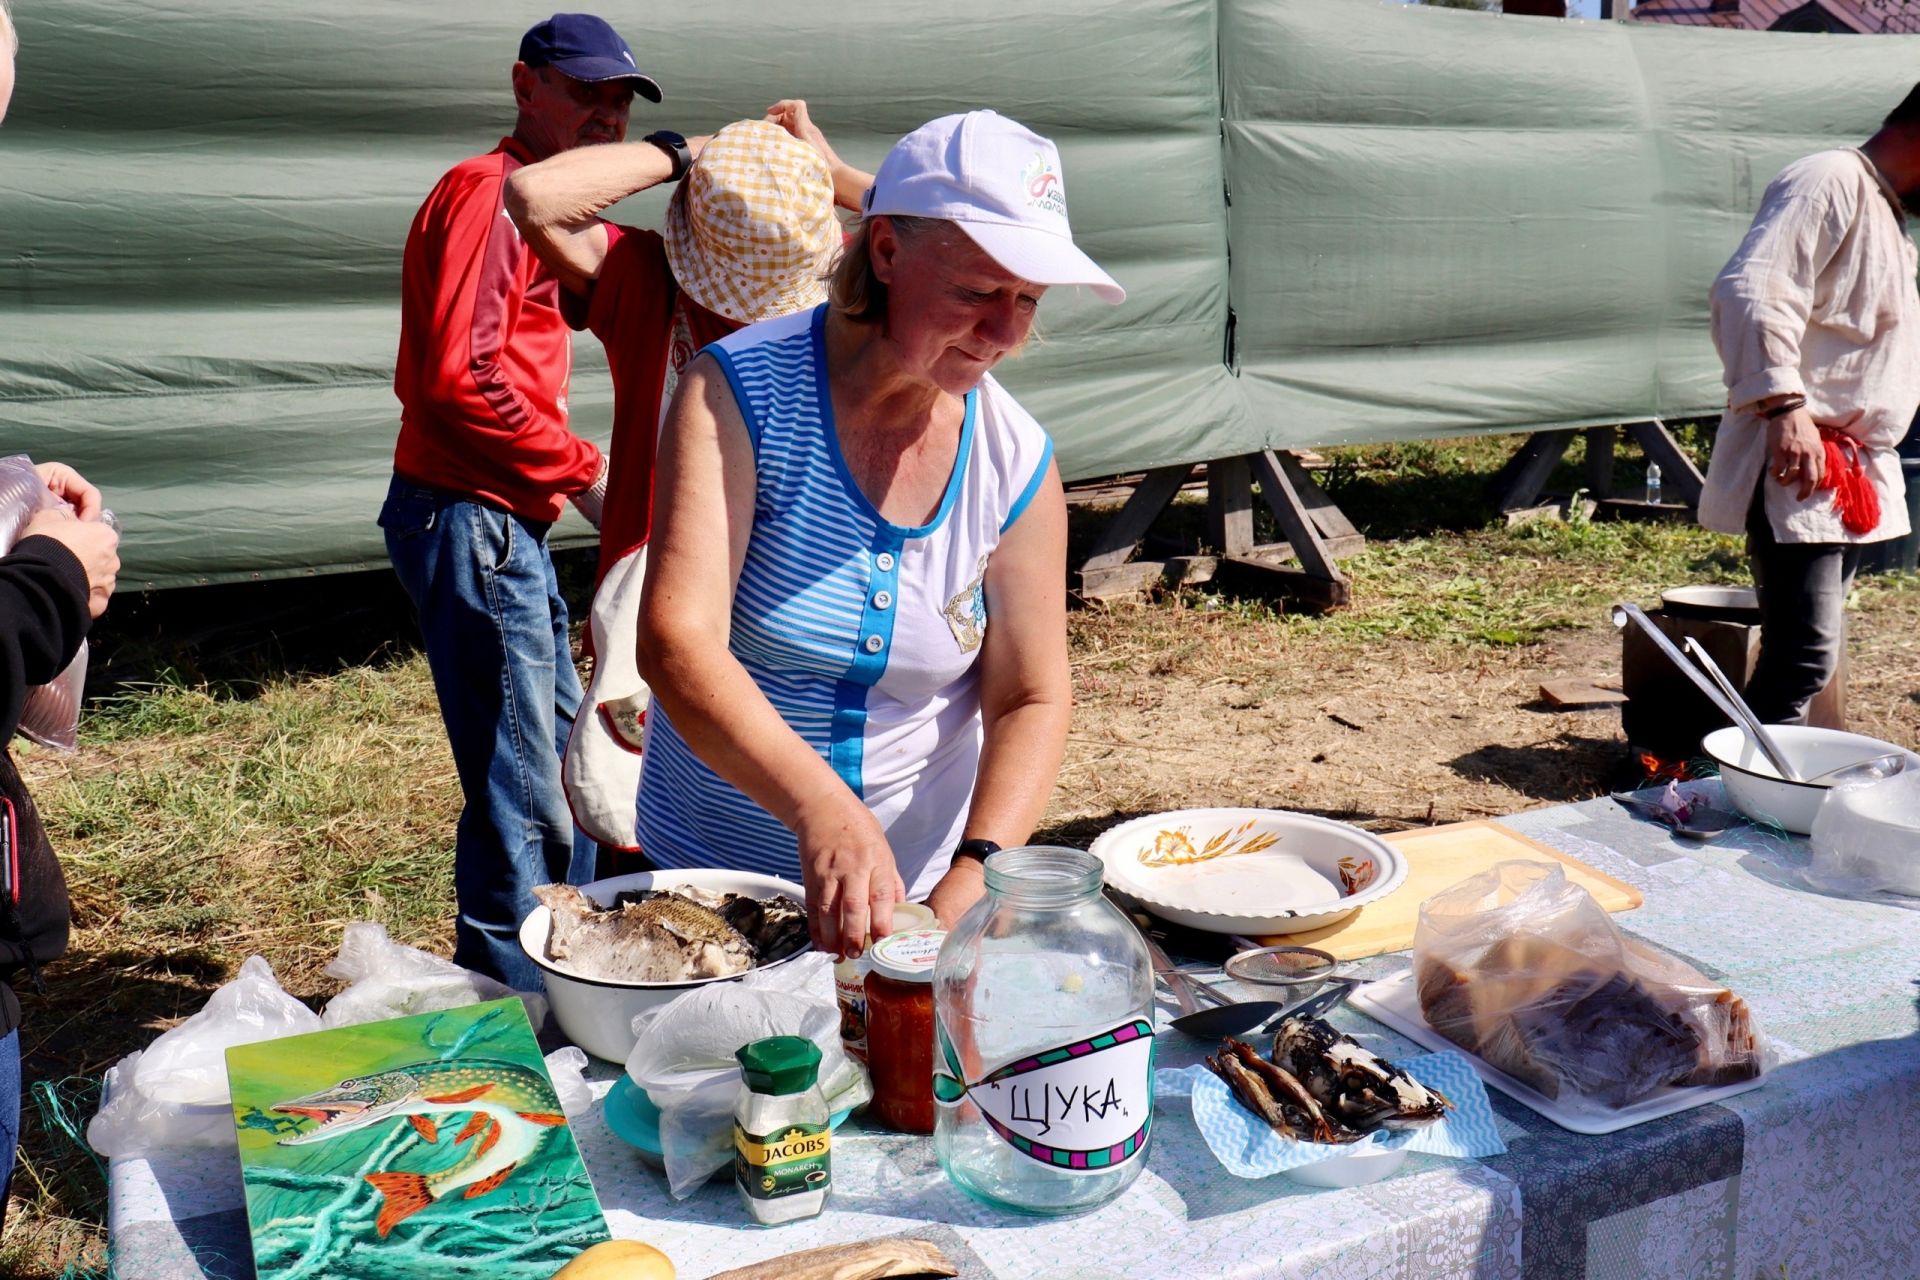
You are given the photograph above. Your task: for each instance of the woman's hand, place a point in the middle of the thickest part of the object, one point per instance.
(1795, 453)
(964, 884)
(849, 183)
(851, 880)
(69, 485)
(93, 543)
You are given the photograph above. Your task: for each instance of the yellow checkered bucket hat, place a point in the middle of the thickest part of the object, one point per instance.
(751, 233)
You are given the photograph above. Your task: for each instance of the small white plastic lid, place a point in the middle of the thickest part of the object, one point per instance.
(908, 957)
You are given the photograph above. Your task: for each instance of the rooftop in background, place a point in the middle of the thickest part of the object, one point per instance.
(1866, 17)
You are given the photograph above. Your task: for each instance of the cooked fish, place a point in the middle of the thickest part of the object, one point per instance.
(662, 937)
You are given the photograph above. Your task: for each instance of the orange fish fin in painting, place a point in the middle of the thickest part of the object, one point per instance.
(405, 1195)
(485, 1185)
(465, 1095)
(425, 1128)
(477, 1123)
(489, 1136)
(542, 1117)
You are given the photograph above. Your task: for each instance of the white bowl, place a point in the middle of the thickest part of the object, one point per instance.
(597, 1014)
(1292, 884)
(1755, 787)
(1352, 1167)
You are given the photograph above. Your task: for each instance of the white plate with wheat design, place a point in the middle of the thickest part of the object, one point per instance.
(1252, 871)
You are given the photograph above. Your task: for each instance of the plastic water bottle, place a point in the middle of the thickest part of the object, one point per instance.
(1653, 482)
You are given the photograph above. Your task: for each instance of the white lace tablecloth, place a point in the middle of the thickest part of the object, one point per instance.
(1813, 1175)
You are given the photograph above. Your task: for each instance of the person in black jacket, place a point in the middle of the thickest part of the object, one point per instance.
(53, 583)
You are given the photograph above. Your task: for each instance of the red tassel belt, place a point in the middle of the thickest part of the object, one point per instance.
(1854, 498)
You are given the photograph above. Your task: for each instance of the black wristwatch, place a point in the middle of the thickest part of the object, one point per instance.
(978, 850)
(676, 147)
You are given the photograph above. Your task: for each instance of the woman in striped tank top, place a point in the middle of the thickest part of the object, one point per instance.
(854, 623)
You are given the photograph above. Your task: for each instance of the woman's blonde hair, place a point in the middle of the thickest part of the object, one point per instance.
(853, 289)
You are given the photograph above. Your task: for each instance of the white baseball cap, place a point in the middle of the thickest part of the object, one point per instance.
(1001, 183)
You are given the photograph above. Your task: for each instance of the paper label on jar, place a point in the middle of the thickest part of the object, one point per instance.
(798, 1158)
(1084, 1107)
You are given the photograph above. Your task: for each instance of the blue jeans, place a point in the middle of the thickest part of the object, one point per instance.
(1803, 623)
(495, 629)
(9, 1111)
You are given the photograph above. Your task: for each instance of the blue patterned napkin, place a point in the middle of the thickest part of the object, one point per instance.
(1249, 1148)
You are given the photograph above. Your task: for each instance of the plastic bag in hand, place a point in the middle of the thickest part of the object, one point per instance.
(684, 1058)
(51, 713)
(1522, 967)
(389, 980)
(1866, 839)
(175, 1093)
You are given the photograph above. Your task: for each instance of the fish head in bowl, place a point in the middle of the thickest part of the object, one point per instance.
(1248, 870)
(597, 1013)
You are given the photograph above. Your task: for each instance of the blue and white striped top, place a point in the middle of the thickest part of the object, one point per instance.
(863, 634)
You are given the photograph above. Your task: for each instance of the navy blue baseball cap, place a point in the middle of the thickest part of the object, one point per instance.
(583, 47)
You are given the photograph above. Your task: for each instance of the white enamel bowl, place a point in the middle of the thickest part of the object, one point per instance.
(598, 1014)
(1283, 873)
(1755, 787)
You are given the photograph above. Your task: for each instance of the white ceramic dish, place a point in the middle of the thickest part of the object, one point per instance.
(1395, 1002)
(1353, 1167)
(1279, 872)
(1755, 787)
(597, 1014)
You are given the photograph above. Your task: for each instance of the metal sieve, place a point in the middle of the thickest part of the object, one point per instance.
(1300, 971)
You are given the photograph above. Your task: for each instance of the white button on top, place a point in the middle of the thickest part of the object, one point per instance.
(884, 561)
(874, 644)
(882, 599)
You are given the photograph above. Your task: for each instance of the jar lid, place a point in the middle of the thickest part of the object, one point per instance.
(911, 916)
(780, 1064)
(908, 957)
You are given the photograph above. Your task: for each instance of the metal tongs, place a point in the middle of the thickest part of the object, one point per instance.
(1719, 689)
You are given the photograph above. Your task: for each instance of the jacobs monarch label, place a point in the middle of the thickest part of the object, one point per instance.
(798, 1158)
(1084, 1107)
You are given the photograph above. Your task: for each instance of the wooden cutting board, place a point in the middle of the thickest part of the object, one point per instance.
(1439, 858)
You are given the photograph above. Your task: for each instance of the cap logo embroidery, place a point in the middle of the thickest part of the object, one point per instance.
(1045, 190)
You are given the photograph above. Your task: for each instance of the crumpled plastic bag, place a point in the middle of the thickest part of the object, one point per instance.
(568, 1068)
(684, 1058)
(174, 1093)
(51, 714)
(1866, 839)
(389, 980)
(1522, 967)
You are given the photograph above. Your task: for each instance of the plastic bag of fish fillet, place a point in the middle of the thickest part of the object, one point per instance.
(684, 1058)
(1522, 967)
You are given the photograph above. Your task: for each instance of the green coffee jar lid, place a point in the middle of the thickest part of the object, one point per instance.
(780, 1064)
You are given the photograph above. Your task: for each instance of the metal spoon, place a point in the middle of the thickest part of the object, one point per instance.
(1747, 720)
(1862, 771)
(1703, 822)
(1626, 612)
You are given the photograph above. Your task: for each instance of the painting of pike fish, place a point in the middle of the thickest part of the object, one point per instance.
(432, 1146)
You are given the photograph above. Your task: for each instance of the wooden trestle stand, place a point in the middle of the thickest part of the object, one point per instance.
(1517, 485)
(1316, 534)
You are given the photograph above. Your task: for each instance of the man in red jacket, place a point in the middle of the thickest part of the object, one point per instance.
(484, 461)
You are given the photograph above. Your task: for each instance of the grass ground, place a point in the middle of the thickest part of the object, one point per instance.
(249, 789)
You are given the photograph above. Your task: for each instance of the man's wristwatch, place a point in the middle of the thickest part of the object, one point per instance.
(676, 148)
(975, 850)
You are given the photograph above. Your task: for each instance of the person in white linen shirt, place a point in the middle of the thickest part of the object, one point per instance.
(1817, 322)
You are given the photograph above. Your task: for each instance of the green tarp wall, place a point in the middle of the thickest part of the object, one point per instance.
(1439, 221)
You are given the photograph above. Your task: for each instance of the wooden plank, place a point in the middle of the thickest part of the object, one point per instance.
(1437, 859)
(1230, 505)
(1295, 525)
(1580, 693)
(1519, 482)
(1600, 443)
(1311, 592)
(1325, 513)
(1677, 472)
(1121, 538)
(1136, 576)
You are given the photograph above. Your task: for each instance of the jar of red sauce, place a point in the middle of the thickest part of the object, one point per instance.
(900, 1029)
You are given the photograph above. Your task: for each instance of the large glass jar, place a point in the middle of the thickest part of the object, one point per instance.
(1043, 1061)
